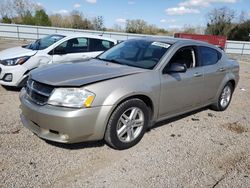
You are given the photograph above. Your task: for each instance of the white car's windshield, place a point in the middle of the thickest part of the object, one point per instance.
(45, 42)
(137, 52)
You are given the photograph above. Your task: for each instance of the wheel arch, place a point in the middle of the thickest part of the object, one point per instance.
(146, 99)
(232, 81)
(228, 78)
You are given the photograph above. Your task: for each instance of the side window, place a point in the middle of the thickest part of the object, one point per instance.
(107, 44)
(186, 55)
(209, 56)
(99, 45)
(82, 43)
(75, 45)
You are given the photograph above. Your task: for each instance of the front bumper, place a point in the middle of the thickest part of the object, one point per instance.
(64, 125)
(18, 74)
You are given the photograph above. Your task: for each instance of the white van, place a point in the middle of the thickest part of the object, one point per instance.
(16, 63)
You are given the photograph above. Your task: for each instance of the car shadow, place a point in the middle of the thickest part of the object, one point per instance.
(176, 118)
(77, 146)
(101, 143)
(9, 88)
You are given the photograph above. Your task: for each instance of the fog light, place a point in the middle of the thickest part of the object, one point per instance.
(7, 77)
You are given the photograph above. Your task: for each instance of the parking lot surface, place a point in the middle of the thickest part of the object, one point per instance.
(201, 149)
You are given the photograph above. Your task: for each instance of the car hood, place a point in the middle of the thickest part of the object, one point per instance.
(79, 74)
(16, 52)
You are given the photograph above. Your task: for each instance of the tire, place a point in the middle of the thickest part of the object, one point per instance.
(23, 83)
(127, 124)
(224, 99)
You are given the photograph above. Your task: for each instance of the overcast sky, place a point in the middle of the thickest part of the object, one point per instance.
(163, 13)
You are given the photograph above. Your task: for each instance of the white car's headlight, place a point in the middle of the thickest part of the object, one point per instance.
(15, 61)
(71, 97)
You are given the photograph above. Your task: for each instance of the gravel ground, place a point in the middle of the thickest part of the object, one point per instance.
(5, 43)
(201, 149)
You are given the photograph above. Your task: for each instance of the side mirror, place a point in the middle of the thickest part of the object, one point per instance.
(59, 50)
(177, 67)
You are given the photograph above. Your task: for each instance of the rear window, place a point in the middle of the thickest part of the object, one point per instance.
(100, 45)
(209, 56)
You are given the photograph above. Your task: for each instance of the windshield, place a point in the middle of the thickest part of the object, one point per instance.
(45, 42)
(137, 53)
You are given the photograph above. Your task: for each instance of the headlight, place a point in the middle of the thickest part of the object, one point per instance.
(15, 61)
(71, 97)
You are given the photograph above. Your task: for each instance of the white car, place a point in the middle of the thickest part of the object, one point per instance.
(16, 63)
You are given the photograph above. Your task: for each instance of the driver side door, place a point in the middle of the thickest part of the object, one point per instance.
(181, 91)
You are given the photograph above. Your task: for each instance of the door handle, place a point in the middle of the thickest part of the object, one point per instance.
(222, 69)
(197, 74)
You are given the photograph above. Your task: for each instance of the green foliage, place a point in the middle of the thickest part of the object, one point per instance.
(28, 19)
(240, 32)
(41, 18)
(220, 21)
(6, 19)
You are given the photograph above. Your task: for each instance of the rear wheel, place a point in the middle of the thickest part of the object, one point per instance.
(224, 98)
(127, 124)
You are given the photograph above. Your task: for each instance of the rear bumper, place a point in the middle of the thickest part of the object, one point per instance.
(64, 125)
(17, 72)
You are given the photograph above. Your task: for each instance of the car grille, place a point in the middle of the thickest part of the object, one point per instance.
(39, 93)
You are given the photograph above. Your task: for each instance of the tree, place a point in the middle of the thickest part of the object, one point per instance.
(220, 21)
(243, 17)
(22, 8)
(6, 19)
(41, 18)
(28, 19)
(162, 31)
(76, 18)
(240, 32)
(6, 9)
(98, 23)
(135, 26)
(151, 30)
(189, 29)
(117, 27)
(56, 20)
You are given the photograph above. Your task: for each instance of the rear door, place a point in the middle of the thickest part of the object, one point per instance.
(97, 46)
(182, 91)
(214, 71)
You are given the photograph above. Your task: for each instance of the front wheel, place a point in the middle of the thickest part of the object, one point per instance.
(127, 124)
(224, 98)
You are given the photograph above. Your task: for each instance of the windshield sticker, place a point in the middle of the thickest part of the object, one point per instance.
(161, 44)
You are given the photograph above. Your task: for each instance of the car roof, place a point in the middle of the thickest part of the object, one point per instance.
(73, 35)
(172, 40)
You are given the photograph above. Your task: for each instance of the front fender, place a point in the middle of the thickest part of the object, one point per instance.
(119, 95)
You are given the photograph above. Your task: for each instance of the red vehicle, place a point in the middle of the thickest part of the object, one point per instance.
(216, 40)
